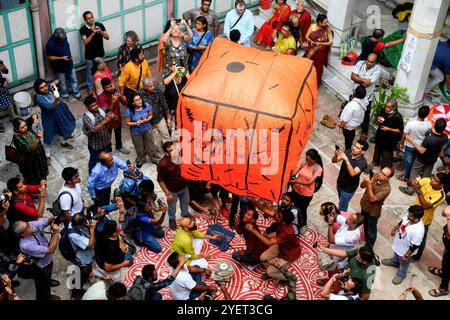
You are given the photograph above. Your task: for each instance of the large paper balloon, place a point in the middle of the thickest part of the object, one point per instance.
(440, 111)
(245, 116)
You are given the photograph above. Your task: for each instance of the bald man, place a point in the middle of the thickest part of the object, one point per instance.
(190, 241)
(304, 17)
(366, 73)
(102, 177)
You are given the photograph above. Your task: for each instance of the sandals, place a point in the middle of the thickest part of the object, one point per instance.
(439, 292)
(328, 122)
(436, 271)
(67, 146)
(49, 162)
(401, 177)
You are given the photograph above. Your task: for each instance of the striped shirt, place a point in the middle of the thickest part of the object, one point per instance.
(158, 102)
(373, 74)
(96, 140)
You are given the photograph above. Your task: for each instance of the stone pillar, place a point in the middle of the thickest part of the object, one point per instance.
(425, 26)
(34, 8)
(339, 15)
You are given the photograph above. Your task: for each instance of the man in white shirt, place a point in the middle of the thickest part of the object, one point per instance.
(417, 129)
(347, 236)
(100, 291)
(408, 235)
(241, 19)
(367, 73)
(352, 115)
(185, 287)
(69, 196)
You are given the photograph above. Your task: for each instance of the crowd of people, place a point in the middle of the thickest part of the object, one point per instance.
(103, 248)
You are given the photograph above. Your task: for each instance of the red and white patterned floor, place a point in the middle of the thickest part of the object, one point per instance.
(246, 284)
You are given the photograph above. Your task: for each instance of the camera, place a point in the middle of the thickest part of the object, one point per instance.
(58, 220)
(160, 203)
(344, 278)
(4, 197)
(327, 210)
(209, 295)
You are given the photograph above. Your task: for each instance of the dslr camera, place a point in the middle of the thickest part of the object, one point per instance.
(327, 210)
(209, 295)
(344, 278)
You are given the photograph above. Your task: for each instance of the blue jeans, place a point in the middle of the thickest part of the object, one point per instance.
(197, 277)
(94, 154)
(89, 76)
(147, 237)
(410, 156)
(370, 229)
(403, 269)
(183, 195)
(244, 258)
(154, 296)
(344, 198)
(72, 78)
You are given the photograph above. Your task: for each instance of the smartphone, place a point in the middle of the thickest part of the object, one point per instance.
(336, 147)
(177, 20)
(370, 174)
(315, 245)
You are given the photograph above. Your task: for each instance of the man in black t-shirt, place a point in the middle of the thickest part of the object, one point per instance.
(92, 34)
(428, 153)
(353, 163)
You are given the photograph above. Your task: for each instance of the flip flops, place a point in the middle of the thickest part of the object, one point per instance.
(439, 292)
(401, 177)
(436, 271)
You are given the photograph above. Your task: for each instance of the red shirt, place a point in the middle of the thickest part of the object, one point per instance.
(23, 204)
(104, 101)
(288, 243)
(170, 174)
(254, 246)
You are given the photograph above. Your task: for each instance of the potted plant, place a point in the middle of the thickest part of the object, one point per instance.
(386, 93)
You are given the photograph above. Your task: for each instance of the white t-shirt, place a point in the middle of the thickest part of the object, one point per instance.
(65, 201)
(183, 284)
(342, 296)
(353, 113)
(417, 130)
(346, 239)
(96, 292)
(408, 234)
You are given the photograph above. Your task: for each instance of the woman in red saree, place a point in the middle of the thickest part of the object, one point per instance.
(280, 14)
(320, 39)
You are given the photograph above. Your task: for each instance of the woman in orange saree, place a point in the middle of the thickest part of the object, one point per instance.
(280, 15)
(320, 39)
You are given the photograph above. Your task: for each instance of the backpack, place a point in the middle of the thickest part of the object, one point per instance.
(65, 245)
(89, 114)
(56, 208)
(319, 180)
(138, 289)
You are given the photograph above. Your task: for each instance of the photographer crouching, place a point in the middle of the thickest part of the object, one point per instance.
(350, 287)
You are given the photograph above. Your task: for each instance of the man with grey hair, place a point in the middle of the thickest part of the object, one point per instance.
(162, 118)
(389, 134)
(34, 244)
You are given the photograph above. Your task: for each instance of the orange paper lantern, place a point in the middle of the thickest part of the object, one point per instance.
(245, 116)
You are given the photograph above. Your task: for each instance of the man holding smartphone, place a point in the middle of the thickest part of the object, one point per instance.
(378, 189)
(92, 34)
(353, 163)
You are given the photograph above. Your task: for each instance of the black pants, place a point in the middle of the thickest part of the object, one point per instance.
(235, 205)
(445, 264)
(302, 202)
(383, 157)
(366, 121)
(42, 277)
(103, 196)
(349, 136)
(419, 253)
(85, 272)
(118, 136)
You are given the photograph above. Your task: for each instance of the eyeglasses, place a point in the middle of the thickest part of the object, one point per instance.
(43, 86)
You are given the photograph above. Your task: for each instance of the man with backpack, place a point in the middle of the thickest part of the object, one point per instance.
(69, 199)
(77, 246)
(95, 127)
(146, 288)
